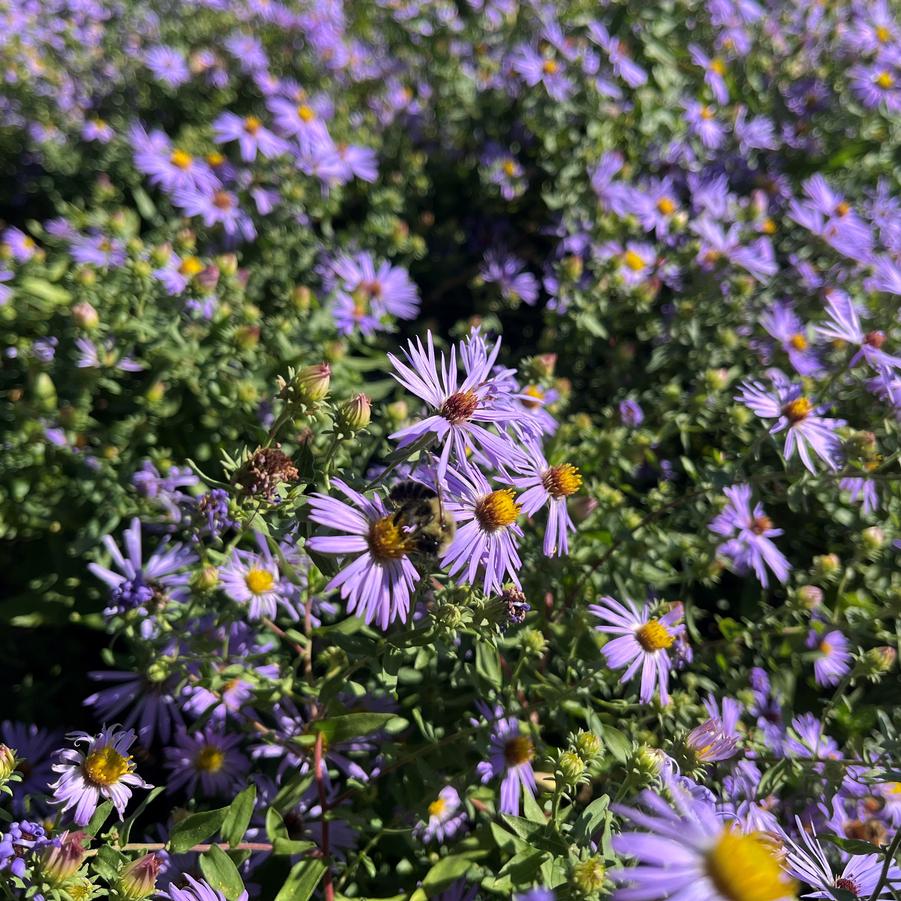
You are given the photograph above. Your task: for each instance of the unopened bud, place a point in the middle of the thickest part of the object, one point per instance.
(85, 315)
(533, 642)
(571, 767)
(588, 745)
(248, 336)
(878, 661)
(312, 382)
(138, 879)
(873, 538)
(303, 298)
(398, 411)
(7, 762)
(589, 875)
(826, 566)
(61, 862)
(647, 762)
(227, 263)
(355, 414)
(207, 578)
(810, 596)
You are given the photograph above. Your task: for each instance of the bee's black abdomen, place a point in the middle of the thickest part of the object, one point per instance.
(408, 490)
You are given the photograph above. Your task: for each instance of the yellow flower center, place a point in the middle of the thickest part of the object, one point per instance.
(518, 750)
(509, 167)
(895, 788)
(761, 524)
(460, 406)
(706, 112)
(718, 66)
(181, 159)
(387, 540)
(537, 393)
(215, 159)
(634, 262)
(654, 636)
(497, 510)
(252, 125)
(825, 647)
(745, 868)
(882, 34)
(797, 410)
(259, 581)
(191, 266)
(885, 80)
(843, 208)
(306, 113)
(549, 67)
(666, 206)
(562, 481)
(768, 227)
(98, 123)
(222, 200)
(210, 759)
(436, 808)
(106, 766)
(798, 341)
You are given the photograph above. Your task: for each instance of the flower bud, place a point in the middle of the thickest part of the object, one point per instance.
(312, 382)
(873, 538)
(647, 762)
(826, 567)
(588, 745)
(248, 336)
(571, 767)
(227, 263)
(85, 316)
(810, 596)
(207, 578)
(7, 762)
(398, 411)
(61, 862)
(589, 875)
(877, 662)
(302, 297)
(87, 277)
(533, 642)
(138, 879)
(355, 414)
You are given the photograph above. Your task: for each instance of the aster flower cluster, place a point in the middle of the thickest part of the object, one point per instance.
(450, 450)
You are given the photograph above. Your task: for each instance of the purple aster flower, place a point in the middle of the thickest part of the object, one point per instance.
(806, 739)
(833, 661)
(637, 262)
(714, 70)
(756, 133)
(630, 413)
(168, 65)
(250, 133)
(92, 357)
(230, 700)
(104, 771)
(535, 894)
(872, 28)
(97, 130)
(750, 532)
(19, 841)
(299, 120)
(826, 213)
(534, 68)
(786, 327)
(510, 756)
(169, 167)
(144, 587)
(460, 407)
(505, 171)
(44, 349)
(806, 860)
(98, 250)
(642, 643)
(367, 292)
(22, 247)
(248, 51)
(727, 717)
(339, 163)
(877, 83)
(886, 275)
(486, 531)
(152, 704)
(254, 579)
(378, 577)
(544, 485)
(195, 890)
(612, 195)
(33, 747)
(862, 490)
(844, 325)
(709, 742)
(757, 257)
(795, 414)
(508, 273)
(217, 208)
(446, 818)
(702, 121)
(624, 66)
(693, 854)
(209, 758)
(5, 292)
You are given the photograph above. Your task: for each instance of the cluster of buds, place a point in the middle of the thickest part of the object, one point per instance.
(306, 387)
(267, 469)
(876, 663)
(589, 876)
(8, 764)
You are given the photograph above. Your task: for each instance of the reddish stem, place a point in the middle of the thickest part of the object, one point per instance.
(319, 769)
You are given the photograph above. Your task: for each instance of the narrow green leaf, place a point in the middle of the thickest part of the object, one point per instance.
(196, 828)
(302, 880)
(220, 872)
(238, 817)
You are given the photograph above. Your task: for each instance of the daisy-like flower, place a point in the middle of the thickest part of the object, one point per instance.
(460, 406)
(104, 771)
(637, 262)
(510, 756)
(806, 431)
(144, 587)
(33, 747)
(624, 66)
(537, 69)
(446, 818)
(750, 533)
(195, 890)
(642, 642)
(714, 70)
(833, 660)
(512, 280)
(217, 207)
(167, 166)
(168, 65)
(692, 854)
(806, 860)
(254, 579)
(209, 758)
(542, 484)
(367, 292)
(806, 739)
(710, 742)
(844, 325)
(786, 327)
(378, 577)
(250, 133)
(702, 121)
(486, 531)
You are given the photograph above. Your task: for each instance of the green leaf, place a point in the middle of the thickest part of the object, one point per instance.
(290, 846)
(196, 828)
(238, 817)
(350, 725)
(590, 818)
(851, 845)
(220, 872)
(302, 880)
(488, 664)
(447, 871)
(617, 743)
(100, 814)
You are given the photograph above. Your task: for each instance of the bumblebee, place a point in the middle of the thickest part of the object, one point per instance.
(418, 509)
